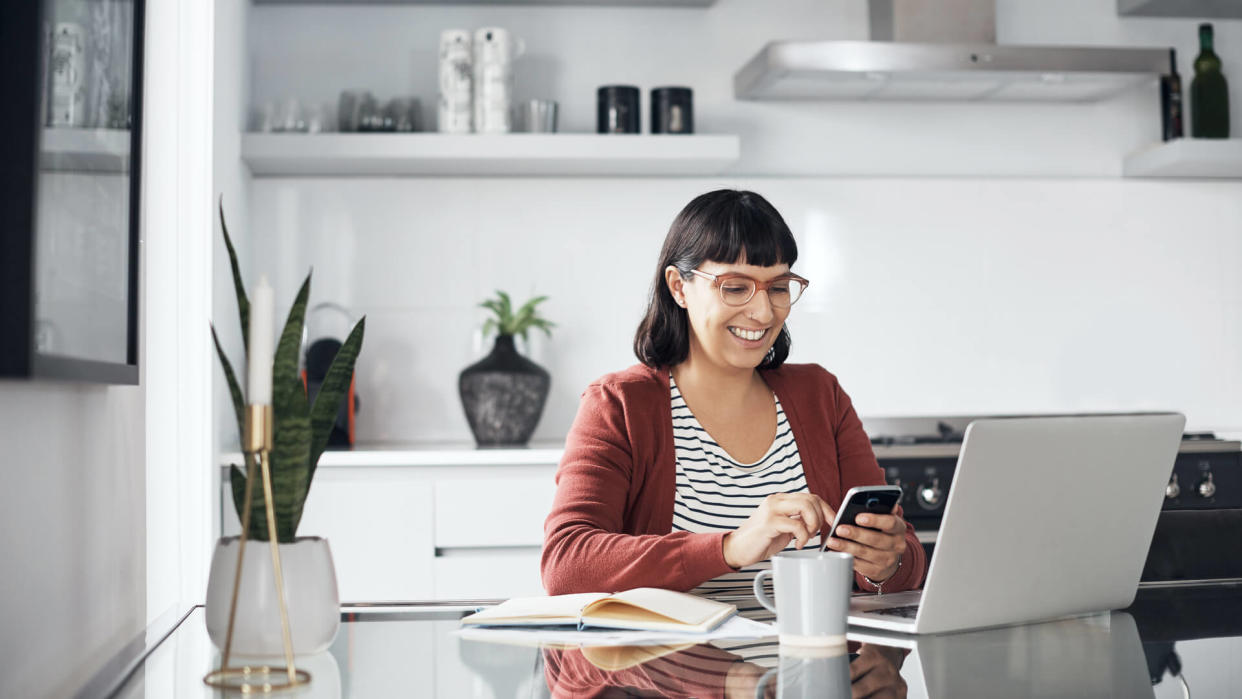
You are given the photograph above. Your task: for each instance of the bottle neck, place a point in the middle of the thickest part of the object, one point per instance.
(1205, 39)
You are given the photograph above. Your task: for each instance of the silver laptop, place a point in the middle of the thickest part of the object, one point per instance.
(1047, 517)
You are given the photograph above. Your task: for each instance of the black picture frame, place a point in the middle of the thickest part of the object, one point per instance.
(22, 47)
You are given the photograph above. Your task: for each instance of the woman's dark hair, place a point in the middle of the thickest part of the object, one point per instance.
(721, 226)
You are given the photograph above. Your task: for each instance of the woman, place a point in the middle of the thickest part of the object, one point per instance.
(690, 470)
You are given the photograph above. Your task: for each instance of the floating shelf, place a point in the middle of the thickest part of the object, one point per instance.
(601, 3)
(387, 154)
(1179, 8)
(1188, 157)
(85, 150)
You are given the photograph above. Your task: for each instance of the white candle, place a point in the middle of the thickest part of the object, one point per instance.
(261, 353)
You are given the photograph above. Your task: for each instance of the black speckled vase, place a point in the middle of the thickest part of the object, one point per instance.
(503, 395)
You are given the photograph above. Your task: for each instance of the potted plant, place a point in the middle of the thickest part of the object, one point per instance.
(504, 393)
(299, 435)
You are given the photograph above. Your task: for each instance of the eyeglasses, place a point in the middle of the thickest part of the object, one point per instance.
(739, 289)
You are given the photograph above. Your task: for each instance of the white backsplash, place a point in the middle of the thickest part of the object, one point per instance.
(928, 296)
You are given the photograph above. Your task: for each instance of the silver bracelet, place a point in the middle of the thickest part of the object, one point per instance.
(879, 586)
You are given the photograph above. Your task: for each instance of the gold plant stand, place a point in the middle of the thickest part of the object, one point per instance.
(258, 679)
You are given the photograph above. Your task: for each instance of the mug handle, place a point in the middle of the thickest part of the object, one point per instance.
(761, 687)
(760, 594)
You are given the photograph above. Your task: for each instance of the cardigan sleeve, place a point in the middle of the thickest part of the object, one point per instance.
(858, 466)
(586, 547)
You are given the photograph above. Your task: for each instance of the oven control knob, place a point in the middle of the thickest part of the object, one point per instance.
(929, 494)
(1172, 490)
(1207, 489)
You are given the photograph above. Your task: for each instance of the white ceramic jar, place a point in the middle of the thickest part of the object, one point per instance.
(311, 596)
(494, 51)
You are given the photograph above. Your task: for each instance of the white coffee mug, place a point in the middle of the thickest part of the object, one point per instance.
(812, 596)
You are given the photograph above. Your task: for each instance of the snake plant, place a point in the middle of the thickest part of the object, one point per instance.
(300, 428)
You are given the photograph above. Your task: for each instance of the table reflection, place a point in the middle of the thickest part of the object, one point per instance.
(705, 670)
(1181, 638)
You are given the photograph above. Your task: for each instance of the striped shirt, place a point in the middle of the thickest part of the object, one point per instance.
(716, 493)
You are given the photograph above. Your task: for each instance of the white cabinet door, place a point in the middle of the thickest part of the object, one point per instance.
(488, 535)
(488, 574)
(502, 511)
(379, 524)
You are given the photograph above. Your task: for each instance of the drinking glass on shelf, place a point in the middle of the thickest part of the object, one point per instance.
(349, 106)
(321, 118)
(535, 116)
(263, 117)
(370, 116)
(289, 116)
(405, 113)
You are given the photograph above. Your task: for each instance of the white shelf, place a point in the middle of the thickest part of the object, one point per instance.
(297, 155)
(1179, 8)
(606, 3)
(84, 150)
(1188, 157)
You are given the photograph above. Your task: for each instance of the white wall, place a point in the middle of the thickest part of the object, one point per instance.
(104, 521)
(965, 258)
(72, 531)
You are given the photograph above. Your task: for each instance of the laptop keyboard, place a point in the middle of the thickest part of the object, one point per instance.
(906, 612)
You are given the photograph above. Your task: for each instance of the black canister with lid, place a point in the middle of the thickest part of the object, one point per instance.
(617, 109)
(672, 110)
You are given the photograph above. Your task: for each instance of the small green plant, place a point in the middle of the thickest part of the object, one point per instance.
(507, 322)
(300, 428)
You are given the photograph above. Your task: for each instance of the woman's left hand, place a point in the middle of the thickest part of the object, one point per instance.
(877, 546)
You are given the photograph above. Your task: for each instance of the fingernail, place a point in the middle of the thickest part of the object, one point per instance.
(844, 530)
(864, 519)
(834, 543)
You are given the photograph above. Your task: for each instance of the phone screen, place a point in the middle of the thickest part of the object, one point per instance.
(880, 502)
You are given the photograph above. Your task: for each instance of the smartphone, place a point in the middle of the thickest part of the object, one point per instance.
(877, 499)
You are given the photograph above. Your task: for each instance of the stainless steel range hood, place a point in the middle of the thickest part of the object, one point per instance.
(941, 70)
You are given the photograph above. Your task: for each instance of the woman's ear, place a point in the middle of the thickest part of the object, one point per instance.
(676, 285)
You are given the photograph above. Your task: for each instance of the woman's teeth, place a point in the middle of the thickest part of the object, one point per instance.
(748, 334)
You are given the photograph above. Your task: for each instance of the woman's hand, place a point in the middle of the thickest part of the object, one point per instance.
(877, 546)
(781, 517)
(876, 672)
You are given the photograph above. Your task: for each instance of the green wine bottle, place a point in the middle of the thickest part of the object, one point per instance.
(1209, 93)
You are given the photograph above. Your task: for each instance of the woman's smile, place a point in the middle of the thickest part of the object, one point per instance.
(750, 338)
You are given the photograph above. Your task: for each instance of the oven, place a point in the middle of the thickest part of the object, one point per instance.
(1198, 536)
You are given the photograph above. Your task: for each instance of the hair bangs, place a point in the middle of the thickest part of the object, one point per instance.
(745, 230)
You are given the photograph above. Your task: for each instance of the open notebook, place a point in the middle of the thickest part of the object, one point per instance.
(643, 609)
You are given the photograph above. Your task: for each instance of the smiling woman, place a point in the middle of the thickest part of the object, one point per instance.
(691, 469)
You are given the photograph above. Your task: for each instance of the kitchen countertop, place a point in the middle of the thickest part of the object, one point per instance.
(549, 452)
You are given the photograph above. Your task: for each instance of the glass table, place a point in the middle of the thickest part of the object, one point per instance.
(1173, 642)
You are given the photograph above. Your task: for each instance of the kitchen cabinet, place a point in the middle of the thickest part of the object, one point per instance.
(429, 522)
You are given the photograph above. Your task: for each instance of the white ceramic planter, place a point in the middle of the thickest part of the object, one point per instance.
(310, 594)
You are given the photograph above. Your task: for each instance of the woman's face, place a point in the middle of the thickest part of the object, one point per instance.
(719, 333)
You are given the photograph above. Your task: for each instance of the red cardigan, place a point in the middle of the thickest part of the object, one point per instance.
(611, 523)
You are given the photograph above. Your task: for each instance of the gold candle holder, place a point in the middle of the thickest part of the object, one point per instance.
(248, 679)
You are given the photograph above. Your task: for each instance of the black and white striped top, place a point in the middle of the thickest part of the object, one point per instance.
(716, 493)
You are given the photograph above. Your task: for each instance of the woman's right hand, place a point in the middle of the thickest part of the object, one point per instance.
(781, 517)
